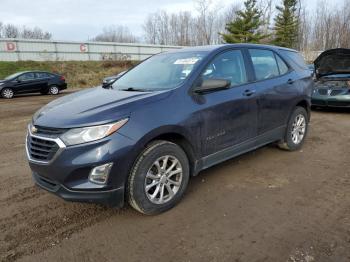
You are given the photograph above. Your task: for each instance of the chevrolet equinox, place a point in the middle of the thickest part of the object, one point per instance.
(168, 118)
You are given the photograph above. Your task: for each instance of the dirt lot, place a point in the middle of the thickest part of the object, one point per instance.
(267, 205)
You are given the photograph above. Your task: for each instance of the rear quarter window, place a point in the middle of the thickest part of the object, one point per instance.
(295, 57)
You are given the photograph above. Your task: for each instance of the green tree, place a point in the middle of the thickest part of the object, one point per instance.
(245, 27)
(286, 24)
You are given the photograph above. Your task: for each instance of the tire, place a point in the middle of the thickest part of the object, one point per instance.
(7, 93)
(296, 131)
(146, 173)
(54, 90)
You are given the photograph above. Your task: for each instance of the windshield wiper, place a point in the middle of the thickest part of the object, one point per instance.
(134, 89)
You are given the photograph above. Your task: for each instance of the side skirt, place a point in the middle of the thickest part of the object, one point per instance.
(239, 149)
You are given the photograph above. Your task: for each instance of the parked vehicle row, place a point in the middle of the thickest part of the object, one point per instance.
(32, 82)
(166, 119)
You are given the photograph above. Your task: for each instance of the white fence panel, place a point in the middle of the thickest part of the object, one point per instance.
(44, 50)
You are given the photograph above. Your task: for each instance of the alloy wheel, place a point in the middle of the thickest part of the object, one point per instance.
(163, 179)
(54, 90)
(7, 93)
(298, 129)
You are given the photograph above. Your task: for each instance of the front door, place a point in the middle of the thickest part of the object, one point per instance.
(26, 83)
(229, 117)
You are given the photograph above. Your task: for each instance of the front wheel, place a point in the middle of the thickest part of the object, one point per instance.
(296, 130)
(7, 93)
(54, 90)
(159, 178)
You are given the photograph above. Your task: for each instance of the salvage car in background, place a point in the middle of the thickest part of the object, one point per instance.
(32, 82)
(107, 81)
(332, 87)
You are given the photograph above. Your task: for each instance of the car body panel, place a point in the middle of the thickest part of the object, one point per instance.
(216, 126)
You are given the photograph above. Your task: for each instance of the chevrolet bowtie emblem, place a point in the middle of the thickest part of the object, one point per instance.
(33, 129)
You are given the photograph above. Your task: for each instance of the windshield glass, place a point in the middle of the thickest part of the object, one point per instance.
(160, 72)
(13, 75)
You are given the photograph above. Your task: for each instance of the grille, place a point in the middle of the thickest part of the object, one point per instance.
(336, 92)
(41, 149)
(322, 91)
(49, 131)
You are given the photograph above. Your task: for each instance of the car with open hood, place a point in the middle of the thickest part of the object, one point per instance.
(332, 87)
(175, 114)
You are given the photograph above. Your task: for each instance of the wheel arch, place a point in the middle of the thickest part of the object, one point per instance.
(178, 137)
(306, 105)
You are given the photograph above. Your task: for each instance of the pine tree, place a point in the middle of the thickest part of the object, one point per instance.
(286, 24)
(245, 27)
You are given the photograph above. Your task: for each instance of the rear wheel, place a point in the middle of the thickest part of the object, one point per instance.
(7, 93)
(159, 178)
(54, 90)
(296, 130)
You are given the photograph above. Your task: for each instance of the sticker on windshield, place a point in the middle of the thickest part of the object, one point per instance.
(186, 61)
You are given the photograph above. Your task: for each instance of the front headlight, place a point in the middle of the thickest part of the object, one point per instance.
(88, 134)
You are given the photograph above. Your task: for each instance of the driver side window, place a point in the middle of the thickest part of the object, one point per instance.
(228, 66)
(26, 77)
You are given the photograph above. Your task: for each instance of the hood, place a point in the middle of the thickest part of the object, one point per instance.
(93, 106)
(333, 61)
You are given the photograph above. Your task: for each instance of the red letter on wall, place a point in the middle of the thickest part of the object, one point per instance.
(83, 48)
(10, 46)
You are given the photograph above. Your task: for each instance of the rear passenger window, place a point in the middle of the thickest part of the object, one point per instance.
(282, 65)
(264, 63)
(229, 66)
(296, 57)
(42, 75)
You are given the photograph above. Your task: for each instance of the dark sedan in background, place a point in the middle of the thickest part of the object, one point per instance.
(332, 87)
(32, 82)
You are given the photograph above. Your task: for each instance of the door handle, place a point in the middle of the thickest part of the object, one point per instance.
(248, 92)
(290, 81)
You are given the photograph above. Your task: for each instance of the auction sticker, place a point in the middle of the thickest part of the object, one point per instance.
(186, 61)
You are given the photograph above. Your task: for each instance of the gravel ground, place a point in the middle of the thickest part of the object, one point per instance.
(267, 205)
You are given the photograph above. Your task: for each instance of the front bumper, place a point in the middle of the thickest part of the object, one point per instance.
(63, 86)
(330, 101)
(113, 197)
(67, 173)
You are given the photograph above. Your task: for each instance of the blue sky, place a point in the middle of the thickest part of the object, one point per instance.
(83, 19)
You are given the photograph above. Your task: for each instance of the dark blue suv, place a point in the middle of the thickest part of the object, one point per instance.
(173, 115)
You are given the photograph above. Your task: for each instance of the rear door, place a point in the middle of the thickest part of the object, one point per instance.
(42, 80)
(276, 86)
(229, 116)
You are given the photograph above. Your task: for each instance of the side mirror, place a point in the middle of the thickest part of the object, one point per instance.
(211, 85)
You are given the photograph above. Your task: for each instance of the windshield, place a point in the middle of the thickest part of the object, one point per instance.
(13, 75)
(160, 72)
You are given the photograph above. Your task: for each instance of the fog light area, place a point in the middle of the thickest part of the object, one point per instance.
(99, 175)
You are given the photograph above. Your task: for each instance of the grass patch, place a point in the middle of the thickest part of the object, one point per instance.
(78, 74)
